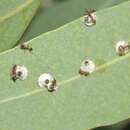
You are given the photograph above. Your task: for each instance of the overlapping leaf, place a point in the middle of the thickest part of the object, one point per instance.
(61, 13)
(14, 18)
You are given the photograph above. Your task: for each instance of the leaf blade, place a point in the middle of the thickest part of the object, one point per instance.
(84, 103)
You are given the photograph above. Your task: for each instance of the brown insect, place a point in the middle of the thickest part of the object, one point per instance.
(13, 73)
(53, 86)
(89, 14)
(54, 82)
(122, 49)
(50, 88)
(26, 47)
(83, 73)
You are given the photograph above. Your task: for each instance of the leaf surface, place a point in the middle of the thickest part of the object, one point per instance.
(14, 18)
(81, 103)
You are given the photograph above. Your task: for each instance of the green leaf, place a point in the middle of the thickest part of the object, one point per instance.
(14, 18)
(49, 18)
(81, 103)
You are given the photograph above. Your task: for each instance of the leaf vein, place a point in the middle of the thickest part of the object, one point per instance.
(65, 81)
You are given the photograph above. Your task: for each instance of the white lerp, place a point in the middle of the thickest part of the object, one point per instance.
(23, 72)
(42, 80)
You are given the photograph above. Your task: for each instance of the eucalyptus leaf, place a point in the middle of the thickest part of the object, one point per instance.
(80, 103)
(14, 18)
(56, 15)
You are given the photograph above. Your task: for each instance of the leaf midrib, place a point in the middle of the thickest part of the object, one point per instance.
(30, 93)
(15, 11)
